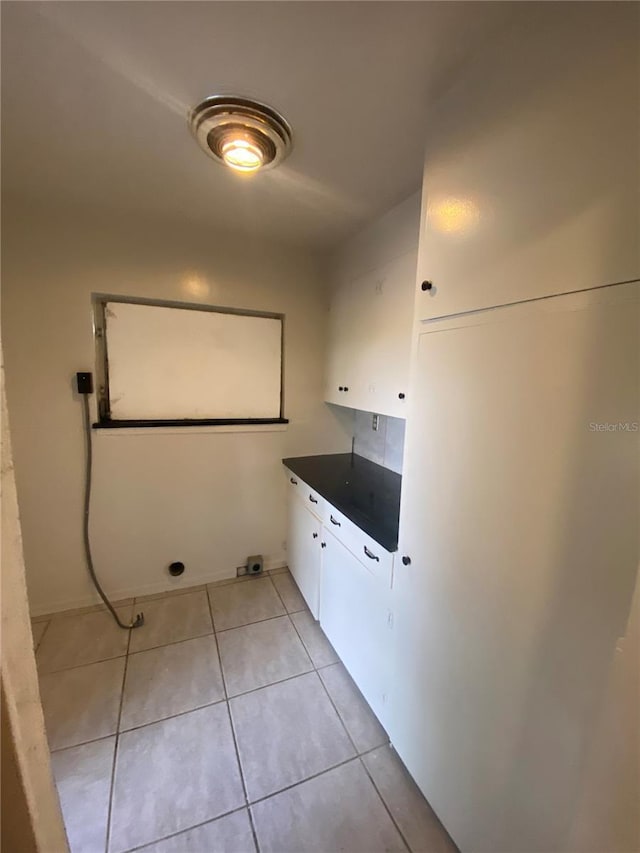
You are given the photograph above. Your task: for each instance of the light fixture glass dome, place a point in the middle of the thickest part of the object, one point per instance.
(244, 135)
(242, 155)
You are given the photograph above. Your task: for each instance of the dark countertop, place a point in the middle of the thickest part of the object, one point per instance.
(366, 493)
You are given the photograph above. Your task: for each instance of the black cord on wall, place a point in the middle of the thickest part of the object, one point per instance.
(139, 620)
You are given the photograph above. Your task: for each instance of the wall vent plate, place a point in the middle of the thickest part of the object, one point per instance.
(255, 565)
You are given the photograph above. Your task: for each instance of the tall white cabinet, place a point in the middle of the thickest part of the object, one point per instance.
(520, 495)
(519, 514)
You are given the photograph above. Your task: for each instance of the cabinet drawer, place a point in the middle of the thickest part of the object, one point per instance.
(374, 557)
(311, 498)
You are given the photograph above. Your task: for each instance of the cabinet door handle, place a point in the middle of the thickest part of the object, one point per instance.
(324, 544)
(371, 555)
(427, 285)
(333, 521)
(313, 500)
(293, 480)
(315, 535)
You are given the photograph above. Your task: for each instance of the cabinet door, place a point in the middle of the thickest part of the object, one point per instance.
(519, 514)
(345, 330)
(384, 349)
(355, 616)
(370, 338)
(547, 202)
(303, 549)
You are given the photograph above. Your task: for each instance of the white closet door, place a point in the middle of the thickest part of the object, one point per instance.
(520, 515)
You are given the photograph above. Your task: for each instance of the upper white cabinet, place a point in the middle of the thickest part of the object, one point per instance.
(532, 170)
(371, 315)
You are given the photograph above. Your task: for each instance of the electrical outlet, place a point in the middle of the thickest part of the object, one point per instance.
(374, 423)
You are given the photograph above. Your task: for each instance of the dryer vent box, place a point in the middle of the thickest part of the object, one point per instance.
(255, 565)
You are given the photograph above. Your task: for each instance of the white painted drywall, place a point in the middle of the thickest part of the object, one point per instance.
(207, 498)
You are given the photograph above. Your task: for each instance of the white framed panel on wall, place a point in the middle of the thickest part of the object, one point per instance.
(166, 363)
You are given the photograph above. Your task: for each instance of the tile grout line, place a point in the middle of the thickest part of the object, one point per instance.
(190, 710)
(117, 741)
(383, 801)
(42, 636)
(183, 831)
(233, 734)
(79, 665)
(303, 781)
(287, 611)
(335, 708)
(259, 800)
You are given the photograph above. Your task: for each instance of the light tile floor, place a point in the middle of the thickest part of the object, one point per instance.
(227, 724)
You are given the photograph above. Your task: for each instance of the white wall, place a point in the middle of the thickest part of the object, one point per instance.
(207, 498)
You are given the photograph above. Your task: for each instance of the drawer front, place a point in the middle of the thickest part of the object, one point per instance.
(373, 556)
(309, 496)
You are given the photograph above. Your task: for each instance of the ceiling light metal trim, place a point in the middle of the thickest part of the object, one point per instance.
(221, 118)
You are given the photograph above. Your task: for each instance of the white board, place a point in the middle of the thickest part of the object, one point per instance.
(182, 363)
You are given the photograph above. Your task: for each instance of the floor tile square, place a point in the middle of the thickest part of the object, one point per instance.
(83, 780)
(173, 775)
(83, 638)
(171, 619)
(414, 816)
(229, 834)
(259, 654)
(298, 734)
(339, 810)
(171, 679)
(320, 649)
(360, 721)
(289, 592)
(83, 703)
(239, 604)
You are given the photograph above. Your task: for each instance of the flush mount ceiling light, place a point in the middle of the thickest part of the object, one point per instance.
(242, 134)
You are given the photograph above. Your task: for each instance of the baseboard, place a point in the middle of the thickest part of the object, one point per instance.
(167, 584)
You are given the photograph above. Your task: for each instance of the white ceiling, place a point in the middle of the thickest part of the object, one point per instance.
(95, 98)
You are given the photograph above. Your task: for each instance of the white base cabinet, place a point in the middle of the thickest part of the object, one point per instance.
(303, 548)
(355, 616)
(304, 527)
(345, 578)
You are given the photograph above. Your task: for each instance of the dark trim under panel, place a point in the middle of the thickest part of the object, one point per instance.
(105, 423)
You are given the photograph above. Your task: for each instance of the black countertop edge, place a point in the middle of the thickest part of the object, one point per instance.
(186, 422)
(367, 493)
